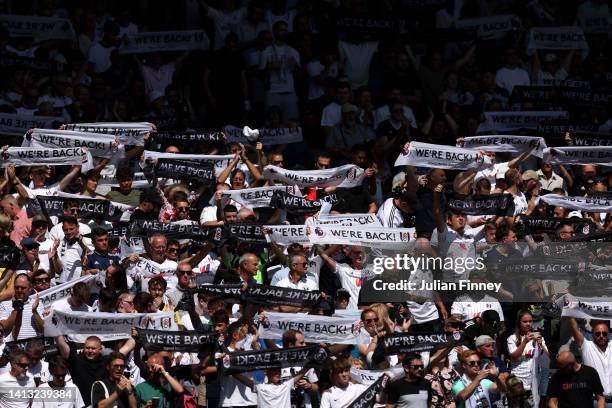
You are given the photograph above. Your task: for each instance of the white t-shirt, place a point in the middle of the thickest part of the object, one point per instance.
(337, 397)
(147, 268)
(523, 367)
(280, 79)
(520, 203)
(64, 306)
(351, 280)
(311, 376)
(234, 393)
(27, 329)
(315, 68)
(332, 115)
(451, 244)
(57, 232)
(427, 311)
(509, 78)
(75, 402)
(312, 274)
(601, 362)
(358, 58)
(465, 306)
(99, 56)
(225, 22)
(274, 395)
(303, 284)
(389, 215)
(70, 256)
(383, 113)
(288, 18)
(9, 383)
(156, 80)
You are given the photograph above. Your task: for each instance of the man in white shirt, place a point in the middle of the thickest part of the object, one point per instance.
(596, 353)
(510, 75)
(66, 255)
(351, 276)
(20, 317)
(297, 277)
(58, 371)
(16, 380)
(76, 302)
(332, 113)
(279, 60)
(99, 54)
(153, 263)
(225, 21)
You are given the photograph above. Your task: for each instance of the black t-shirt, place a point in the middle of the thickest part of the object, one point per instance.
(85, 372)
(409, 394)
(577, 389)
(354, 200)
(98, 393)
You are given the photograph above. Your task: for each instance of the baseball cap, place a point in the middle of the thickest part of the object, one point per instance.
(491, 320)
(530, 175)
(29, 242)
(482, 340)
(574, 214)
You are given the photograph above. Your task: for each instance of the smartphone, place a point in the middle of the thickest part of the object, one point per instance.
(126, 374)
(155, 401)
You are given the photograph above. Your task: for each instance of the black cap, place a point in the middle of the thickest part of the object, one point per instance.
(490, 320)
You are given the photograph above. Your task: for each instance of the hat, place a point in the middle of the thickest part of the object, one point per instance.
(550, 57)
(342, 293)
(28, 242)
(40, 218)
(349, 108)
(482, 340)
(574, 214)
(530, 175)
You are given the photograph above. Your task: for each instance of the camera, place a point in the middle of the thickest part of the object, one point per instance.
(18, 304)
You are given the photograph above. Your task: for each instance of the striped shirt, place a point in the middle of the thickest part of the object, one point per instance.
(27, 329)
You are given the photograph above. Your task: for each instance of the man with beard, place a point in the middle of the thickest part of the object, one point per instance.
(596, 353)
(393, 212)
(16, 380)
(160, 386)
(514, 182)
(412, 390)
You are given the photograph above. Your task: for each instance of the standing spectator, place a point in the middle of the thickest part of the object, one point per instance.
(160, 385)
(473, 389)
(343, 391)
(596, 353)
(574, 385)
(511, 75)
(58, 370)
(279, 60)
(16, 380)
(227, 20)
(412, 390)
(21, 223)
(20, 317)
(114, 389)
(125, 193)
(99, 54)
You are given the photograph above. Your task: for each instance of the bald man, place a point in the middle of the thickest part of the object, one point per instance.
(159, 385)
(574, 385)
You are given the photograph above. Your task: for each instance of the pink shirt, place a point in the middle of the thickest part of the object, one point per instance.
(21, 226)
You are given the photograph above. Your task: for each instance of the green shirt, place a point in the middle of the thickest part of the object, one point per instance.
(131, 199)
(146, 391)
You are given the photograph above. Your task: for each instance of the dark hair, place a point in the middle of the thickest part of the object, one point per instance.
(290, 336)
(70, 219)
(158, 280)
(107, 296)
(39, 272)
(230, 208)
(98, 232)
(220, 316)
(124, 173)
(234, 328)
(410, 357)
(81, 291)
(56, 362)
(502, 232)
(70, 202)
(115, 355)
(142, 301)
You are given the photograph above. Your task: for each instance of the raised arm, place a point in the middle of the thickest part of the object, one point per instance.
(228, 170)
(514, 163)
(438, 217)
(62, 346)
(68, 177)
(578, 336)
(329, 261)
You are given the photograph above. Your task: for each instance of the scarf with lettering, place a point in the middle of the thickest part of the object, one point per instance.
(413, 342)
(259, 196)
(588, 204)
(16, 124)
(494, 204)
(506, 143)
(242, 361)
(597, 155)
(129, 133)
(181, 341)
(269, 137)
(299, 205)
(27, 156)
(169, 137)
(368, 397)
(185, 170)
(556, 38)
(100, 145)
(513, 121)
(315, 328)
(161, 41)
(346, 176)
(441, 157)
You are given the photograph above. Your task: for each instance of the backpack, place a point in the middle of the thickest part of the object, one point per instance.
(106, 393)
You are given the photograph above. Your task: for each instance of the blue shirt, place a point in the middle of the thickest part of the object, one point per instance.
(100, 261)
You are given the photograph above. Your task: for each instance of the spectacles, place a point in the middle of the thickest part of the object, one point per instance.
(182, 208)
(73, 210)
(277, 162)
(118, 366)
(179, 272)
(600, 334)
(23, 365)
(371, 320)
(473, 363)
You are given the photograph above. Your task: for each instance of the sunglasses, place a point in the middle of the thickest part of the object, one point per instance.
(277, 162)
(182, 208)
(180, 273)
(371, 320)
(73, 210)
(473, 363)
(22, 365)
(417, 366)
(42, 280)
(172, 250)
(600, 334)
(118, 366)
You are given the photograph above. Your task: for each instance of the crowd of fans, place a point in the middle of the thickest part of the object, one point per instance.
(359, 96)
